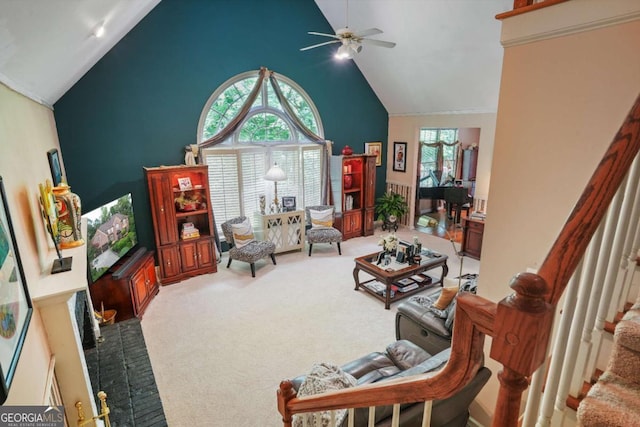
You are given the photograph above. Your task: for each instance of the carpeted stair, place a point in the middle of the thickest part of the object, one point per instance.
(614, 400)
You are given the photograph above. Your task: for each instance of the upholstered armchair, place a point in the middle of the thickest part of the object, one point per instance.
(242, 244)
(321, 218)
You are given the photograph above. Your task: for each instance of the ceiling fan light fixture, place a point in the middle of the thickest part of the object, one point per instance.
(344, 52)
(348, 50)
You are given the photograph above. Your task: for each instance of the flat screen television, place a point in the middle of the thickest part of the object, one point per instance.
(111, 234)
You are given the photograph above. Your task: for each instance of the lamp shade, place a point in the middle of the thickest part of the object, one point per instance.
(348, 50)
(344, 52)
(275, 173)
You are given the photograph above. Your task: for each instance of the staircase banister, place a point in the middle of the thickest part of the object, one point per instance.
(474, 317)
(572, 242)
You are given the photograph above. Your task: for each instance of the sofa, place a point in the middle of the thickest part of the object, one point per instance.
(418, 321)
(403, 358)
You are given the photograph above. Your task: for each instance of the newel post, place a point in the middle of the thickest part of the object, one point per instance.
(523, 325)
(285, 394)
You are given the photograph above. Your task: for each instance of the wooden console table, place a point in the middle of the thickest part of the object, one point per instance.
(396, 272)
(284, 229)
(131, 291)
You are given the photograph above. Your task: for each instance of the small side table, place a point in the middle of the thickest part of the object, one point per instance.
(472, 237)
(284, 229)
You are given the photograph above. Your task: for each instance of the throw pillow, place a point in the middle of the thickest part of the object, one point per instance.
(446, 296)
(242, 233)
(321, 219)
(323, 377)
(423, 301)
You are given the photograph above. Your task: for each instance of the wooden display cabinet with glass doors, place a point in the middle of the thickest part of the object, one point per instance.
(182, 221)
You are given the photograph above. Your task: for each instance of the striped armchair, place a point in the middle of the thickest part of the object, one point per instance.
(251, 252)
(322, 234)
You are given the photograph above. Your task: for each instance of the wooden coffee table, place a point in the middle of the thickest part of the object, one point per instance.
(391, 274)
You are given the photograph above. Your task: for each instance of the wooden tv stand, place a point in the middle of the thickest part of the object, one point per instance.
(129, 290)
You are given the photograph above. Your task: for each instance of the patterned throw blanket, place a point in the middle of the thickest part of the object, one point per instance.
(323, 377)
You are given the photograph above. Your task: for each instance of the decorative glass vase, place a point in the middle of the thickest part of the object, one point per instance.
(263, 204)
(69, 217)
(348, 181)
(347, 151)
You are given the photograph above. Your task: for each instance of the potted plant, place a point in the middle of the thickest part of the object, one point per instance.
(390, 207)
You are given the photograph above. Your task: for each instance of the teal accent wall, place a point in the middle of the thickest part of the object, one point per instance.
(140, 104)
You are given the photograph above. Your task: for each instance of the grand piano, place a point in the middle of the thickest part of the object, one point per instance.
(454, 197)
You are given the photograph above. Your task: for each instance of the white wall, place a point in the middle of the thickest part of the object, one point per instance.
(27, 132)
(570, 75)
(407, 129)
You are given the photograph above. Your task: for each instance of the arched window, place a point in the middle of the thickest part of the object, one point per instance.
(266, 135)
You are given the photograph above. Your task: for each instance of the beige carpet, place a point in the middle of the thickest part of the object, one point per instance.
(221, 343)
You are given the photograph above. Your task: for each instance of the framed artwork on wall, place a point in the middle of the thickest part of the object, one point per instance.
(54, 165)
(374, 148)
(15, 304)
(400, 156)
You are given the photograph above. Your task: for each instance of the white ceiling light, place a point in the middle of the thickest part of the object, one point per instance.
(344, 52)
(99, 31)
(348, 50)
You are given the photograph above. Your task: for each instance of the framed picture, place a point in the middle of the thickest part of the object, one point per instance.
(185, 183)
(15, 304)
(400, 156)
(54, 165)
(374, 148)
(288, 203)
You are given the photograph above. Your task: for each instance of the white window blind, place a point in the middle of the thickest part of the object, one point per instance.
(223, 184)
(312, 175)
(236, 178)
(252, 171)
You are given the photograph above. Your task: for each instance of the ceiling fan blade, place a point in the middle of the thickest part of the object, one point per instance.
(380, 43)
(368, 32)
(320, 44)
(313, 33)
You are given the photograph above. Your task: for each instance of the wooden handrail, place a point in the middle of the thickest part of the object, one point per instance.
(474, 318)
(524, 6)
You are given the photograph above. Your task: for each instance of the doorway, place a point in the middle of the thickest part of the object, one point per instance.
(447, 157)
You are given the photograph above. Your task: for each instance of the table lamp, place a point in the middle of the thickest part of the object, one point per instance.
(275, 174)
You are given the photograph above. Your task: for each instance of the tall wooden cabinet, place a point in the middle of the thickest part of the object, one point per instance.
(182, 221)
(353, 182)
(469, 164)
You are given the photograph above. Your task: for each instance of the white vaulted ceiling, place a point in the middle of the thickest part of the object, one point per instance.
(447, 58)
(448, 55)
(46, 46)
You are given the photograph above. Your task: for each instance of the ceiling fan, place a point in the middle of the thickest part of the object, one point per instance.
(352, 41)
